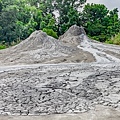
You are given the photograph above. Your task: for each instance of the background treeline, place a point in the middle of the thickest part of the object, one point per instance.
(19, 18)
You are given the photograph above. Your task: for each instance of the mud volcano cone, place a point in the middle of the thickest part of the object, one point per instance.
(72, 35)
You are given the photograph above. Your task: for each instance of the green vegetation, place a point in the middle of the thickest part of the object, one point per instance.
(50, 32)
(2, 46)
(114, 40)
(19, 18)
(100, 23)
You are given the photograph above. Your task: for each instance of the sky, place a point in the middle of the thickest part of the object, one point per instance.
(110, 4)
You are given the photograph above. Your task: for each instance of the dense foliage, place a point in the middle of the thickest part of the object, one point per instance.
(100, 23)
(19, 18)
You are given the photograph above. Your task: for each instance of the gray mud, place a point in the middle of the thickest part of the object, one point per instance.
(58, 89)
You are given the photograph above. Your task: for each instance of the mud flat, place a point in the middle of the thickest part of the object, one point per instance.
(99, 113)
(58, 89)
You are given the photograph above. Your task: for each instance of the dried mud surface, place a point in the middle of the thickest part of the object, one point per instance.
(58, 89)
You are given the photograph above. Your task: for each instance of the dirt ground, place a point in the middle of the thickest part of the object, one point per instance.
(100, 113)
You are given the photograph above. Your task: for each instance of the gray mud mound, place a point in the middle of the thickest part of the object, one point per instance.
(102, 53)
(41, 48)
(72, 36)
(72, 47)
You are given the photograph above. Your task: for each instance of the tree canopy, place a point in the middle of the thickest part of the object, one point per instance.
(19, 18)
(100, 23)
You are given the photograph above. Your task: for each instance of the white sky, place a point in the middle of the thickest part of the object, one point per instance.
(110, 4)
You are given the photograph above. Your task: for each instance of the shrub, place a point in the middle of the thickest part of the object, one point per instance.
(114, 40)
(2, 47)
(109, 41)
(50, 32)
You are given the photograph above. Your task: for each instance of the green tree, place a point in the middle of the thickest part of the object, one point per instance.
(99, 22)
(19, 18)
(7, 25)
(64, 8)
(72, 18)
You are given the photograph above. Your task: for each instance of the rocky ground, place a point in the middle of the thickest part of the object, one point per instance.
(58, 89)
(98, 113)
(85, 79)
